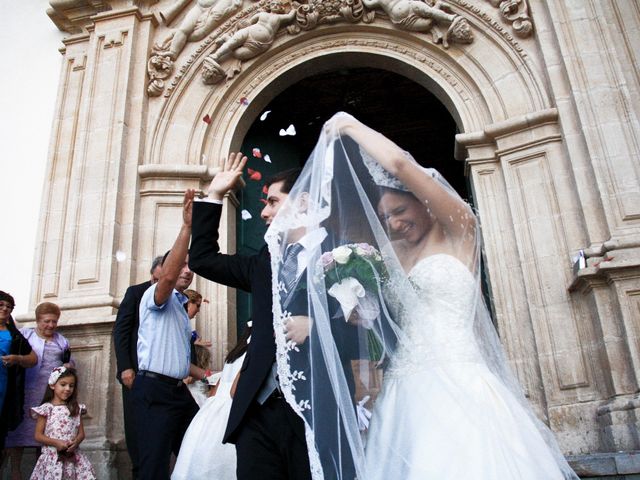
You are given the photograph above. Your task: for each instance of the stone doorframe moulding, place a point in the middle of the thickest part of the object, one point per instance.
(546, 343)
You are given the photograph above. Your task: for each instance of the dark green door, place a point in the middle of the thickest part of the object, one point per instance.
(268, 153)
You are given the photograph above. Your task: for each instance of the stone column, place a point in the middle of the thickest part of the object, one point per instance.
(90, 201)
(588, 50)
(532, 223)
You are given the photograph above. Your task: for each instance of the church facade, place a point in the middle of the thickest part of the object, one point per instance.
(544, 96)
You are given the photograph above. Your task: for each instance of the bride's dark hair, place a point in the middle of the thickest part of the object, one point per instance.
(241, 347)
(72, 401)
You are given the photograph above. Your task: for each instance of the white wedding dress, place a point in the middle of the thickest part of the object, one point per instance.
(202, 455)
(442, 414)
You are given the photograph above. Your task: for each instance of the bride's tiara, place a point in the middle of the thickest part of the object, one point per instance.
(379, 175)
(383, 178)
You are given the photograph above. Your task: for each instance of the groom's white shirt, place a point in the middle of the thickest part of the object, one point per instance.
(309, 242)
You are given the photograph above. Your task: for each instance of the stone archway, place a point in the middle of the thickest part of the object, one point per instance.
(492, 90)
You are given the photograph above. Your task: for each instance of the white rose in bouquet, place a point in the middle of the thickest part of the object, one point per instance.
(341, 254)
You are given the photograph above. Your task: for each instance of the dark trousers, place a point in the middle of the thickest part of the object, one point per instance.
(129, 430)
(162, 414)
(270, 444)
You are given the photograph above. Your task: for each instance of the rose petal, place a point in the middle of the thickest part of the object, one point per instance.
(257, 153)
(267, 159)
(244, 101)
(254, 174)
(206, 119)
(264, 115)
(246, 215)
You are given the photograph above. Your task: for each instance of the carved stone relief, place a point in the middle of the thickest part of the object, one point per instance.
(515, 12)
(248, 41)
(253, 32)
(426, 16)
(200, 21)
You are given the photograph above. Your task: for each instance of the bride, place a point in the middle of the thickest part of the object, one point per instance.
(429, 364)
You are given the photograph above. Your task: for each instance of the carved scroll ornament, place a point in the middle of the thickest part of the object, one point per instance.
(515, 12)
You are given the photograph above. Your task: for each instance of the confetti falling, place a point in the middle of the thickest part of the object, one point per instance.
(265, 190)
(246, 215)
(291, 130)
(257, 153)
(244, 101)
(267, 159)
(120, 256)
(254, 175)
(263, 117)
(206, 119)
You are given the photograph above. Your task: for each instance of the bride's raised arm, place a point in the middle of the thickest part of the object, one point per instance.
(453, 214)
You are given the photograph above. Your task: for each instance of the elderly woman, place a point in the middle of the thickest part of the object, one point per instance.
(16, 355)
(52, 350)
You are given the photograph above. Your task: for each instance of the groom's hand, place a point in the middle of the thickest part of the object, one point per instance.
(228, 177)
(297, 328)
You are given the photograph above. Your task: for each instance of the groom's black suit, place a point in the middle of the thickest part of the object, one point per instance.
(250, 273)
(253, 274)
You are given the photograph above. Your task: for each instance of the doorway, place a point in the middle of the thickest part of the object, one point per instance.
(390, 103)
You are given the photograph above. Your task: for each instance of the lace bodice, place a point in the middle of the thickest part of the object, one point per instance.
(437, 317)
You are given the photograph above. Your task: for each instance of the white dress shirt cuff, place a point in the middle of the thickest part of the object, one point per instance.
(208, 200)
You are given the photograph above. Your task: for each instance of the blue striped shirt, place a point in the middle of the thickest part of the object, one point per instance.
(164, 335)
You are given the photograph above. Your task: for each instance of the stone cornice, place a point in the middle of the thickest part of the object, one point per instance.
(74, 16)
(494, 131)
(78, 16)
(202, 172)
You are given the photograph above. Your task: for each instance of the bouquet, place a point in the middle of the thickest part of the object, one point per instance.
(354, 275)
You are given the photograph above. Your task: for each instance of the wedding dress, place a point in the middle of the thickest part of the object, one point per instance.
(408, 379)
(458, 419)
(202, 455)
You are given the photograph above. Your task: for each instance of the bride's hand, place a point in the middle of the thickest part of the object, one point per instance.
(339, 123)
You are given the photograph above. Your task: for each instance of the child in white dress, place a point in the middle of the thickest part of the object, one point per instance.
(202, 453)
(59, 429)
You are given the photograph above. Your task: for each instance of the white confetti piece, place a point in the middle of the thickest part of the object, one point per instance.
(267, 158)
(246, 215)
(120, 256)
(263, 117)
(291, 130)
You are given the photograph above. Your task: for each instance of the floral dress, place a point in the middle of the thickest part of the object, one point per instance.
(61, 426)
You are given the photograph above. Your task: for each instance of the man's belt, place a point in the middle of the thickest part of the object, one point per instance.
(176, 382)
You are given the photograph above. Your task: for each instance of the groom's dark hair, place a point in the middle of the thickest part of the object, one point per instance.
(287, 177)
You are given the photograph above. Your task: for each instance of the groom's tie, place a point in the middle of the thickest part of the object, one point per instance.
(289, 269)
(287, 275)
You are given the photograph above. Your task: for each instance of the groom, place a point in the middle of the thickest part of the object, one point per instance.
(269, 435)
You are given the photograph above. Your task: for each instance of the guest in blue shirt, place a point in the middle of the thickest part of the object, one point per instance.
(162, 403)
(16, 355)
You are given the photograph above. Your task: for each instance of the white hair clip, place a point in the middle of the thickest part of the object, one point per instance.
(55, 374)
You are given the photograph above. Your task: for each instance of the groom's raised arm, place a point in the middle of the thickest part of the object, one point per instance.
(205, 258)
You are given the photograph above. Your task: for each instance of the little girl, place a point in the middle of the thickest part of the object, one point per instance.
(202, 455)
(59, 429)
